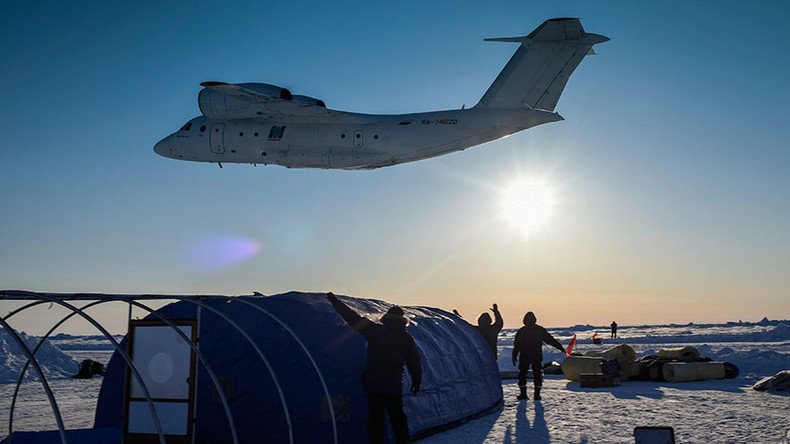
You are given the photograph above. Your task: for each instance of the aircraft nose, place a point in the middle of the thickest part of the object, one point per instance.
(162, 147)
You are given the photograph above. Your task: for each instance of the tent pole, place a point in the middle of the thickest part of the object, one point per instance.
(220, 389)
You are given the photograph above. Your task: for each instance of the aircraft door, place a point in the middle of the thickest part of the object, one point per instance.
(217, 138)
(359, 139)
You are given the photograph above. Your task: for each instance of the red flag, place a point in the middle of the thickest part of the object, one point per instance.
(570, 346)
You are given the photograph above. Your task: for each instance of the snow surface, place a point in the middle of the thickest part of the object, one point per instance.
(710, 411)
(54, 363)
(702, 412)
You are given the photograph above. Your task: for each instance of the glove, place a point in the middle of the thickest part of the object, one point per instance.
(494, 308)
(415, 388)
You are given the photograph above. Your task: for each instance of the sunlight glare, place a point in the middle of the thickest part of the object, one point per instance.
(528, 204)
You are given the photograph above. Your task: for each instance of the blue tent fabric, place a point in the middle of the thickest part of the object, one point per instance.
(460, 375)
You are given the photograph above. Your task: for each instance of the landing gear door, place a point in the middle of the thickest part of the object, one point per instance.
(166, 364)
(217, 138)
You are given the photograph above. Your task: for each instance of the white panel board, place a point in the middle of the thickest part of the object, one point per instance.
(173, 416)
(163, 359)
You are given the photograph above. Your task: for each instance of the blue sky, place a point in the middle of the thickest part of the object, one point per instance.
(671, 167)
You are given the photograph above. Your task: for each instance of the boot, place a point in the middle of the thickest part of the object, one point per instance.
(523, 395)
(537, 394)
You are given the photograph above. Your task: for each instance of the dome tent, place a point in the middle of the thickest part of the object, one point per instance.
(460, 376)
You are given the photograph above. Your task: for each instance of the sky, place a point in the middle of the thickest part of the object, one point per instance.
(669, 176)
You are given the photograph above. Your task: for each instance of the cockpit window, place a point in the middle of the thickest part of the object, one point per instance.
(186, 127)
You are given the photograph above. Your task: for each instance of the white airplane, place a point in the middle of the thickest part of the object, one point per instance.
(259, 123)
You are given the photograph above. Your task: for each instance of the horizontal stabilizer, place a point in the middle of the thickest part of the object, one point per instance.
(556, 30)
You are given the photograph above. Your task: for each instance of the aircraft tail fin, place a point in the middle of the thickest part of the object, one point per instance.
(539, 70)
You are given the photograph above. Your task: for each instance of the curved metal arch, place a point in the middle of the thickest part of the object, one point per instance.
(201, 357)
(304, 348)
(254, 345)
(47, 389)
(23, 308)
(197, 351)
(118, 348)
(35, 350)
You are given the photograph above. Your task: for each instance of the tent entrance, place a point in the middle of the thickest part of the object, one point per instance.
(166, 365)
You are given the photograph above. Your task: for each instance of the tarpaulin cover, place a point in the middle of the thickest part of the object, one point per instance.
(460, 375)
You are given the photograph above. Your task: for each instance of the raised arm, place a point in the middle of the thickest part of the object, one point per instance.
(414, 365)
(549, 339)
(357, 322)
(498, 322)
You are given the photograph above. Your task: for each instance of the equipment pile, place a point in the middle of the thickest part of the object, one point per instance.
(670, 365)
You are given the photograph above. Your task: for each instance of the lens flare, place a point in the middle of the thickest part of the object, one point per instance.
(528, 204)
(220, 252)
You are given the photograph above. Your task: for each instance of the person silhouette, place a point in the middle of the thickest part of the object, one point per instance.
(528, 346)
(489, 331)
(390, 346)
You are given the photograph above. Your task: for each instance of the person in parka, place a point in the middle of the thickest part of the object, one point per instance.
(529, 345)
(389, 347)
(489, 331)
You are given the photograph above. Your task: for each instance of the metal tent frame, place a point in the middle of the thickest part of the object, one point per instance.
(66, 301)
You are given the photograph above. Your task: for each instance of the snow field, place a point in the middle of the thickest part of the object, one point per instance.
(725, 411)
(700, 412)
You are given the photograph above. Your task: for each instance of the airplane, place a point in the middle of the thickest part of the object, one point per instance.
(258, 123)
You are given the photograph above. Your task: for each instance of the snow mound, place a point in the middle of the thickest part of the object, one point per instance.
(55, 363)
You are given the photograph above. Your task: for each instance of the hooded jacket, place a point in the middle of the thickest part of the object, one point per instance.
(389, 347)
(529, 341)
(489, 331)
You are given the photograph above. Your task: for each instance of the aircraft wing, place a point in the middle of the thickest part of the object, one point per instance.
(219, 100)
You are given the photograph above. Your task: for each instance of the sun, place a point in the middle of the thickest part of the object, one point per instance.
(528, 204)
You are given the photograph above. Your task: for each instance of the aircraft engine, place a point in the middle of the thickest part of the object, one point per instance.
(307, 100)
(217, 104)
(268, 90)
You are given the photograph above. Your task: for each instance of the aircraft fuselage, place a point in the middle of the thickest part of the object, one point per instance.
(344, 140)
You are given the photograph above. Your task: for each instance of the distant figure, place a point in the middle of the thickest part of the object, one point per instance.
(529, 343)
(614, 329)
(490, 331)
(389, 347)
